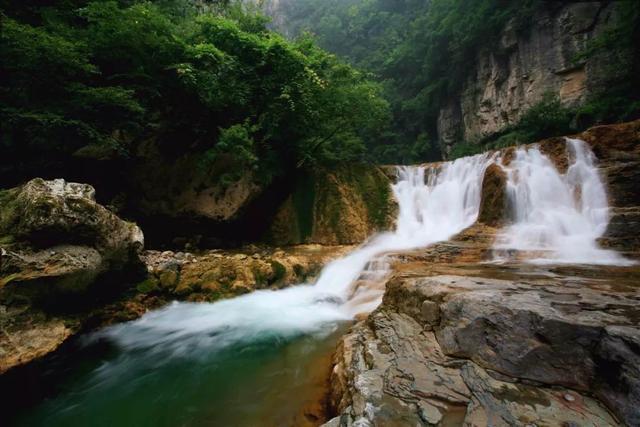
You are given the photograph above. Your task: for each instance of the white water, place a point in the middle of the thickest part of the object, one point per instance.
(428, 212)
(557, 217)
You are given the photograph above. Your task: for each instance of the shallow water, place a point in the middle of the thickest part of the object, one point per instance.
(253, 360)
(267, 382)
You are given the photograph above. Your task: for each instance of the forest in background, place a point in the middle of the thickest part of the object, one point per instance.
(422, 51)
(353, 80)
(92, 79)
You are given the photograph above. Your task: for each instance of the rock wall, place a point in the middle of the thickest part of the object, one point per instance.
(178, 201)
(507, 79)
(337, 206)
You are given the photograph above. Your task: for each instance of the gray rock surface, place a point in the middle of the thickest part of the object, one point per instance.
(475, 351)
(506, 80)
(57, 239)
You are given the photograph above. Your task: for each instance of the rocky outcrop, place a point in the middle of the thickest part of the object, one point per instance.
(493, 202)
(218, 274)
(454, 350)
(335, 207)
(459, 341)
(57, 240)
(56, 245)
(181, 200)
(506, 80)
(185, 187)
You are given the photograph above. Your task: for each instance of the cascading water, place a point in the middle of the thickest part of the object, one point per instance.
(557, 217)
(185, 349)
(429, 210)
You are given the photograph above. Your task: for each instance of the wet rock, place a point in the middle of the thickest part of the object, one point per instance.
(21, 345)
(214, 274)
(59, 240)
(336, 206)
(448, 350)
(57, 246)
(493, 203)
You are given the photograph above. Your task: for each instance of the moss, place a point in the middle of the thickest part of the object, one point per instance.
(299, 271)
(374, 188)
(148, 285)
(279, 271)
(8, 215)
(259, 276)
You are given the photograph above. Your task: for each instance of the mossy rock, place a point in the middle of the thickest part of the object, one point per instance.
(279, 271)
(493, 203)
(149, 285)
(342, 205)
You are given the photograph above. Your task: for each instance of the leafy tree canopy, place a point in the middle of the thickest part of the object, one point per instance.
(99, 76)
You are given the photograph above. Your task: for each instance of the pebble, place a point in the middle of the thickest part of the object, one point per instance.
(167, 253)
(569, 398)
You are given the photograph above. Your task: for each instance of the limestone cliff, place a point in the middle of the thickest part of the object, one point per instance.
(507, 79)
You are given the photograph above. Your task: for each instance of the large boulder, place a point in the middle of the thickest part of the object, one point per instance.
(57, 240)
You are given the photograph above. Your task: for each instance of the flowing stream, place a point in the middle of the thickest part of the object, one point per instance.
(226, 363)
(250, 360)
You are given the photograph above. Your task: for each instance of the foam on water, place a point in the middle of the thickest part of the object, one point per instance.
(433, 205)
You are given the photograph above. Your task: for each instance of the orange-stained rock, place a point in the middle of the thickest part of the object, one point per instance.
(493, 204)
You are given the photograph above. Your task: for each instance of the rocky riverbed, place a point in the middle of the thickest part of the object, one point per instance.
(459, 339)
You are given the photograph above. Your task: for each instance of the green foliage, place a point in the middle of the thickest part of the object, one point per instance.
(546, 118)
(211, 80)
(464, 150)
(419, 49)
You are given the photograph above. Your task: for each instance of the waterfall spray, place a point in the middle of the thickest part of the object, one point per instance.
(557, 218)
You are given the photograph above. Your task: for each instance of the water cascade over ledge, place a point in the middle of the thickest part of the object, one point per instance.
(204, 355)
(433, 205)
(557, 218)
(246, 361)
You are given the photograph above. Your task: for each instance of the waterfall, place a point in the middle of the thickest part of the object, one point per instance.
(557, 218)
(433, 205)
(213, 363)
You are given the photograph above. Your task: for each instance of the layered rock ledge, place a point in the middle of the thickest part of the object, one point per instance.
(456, 350)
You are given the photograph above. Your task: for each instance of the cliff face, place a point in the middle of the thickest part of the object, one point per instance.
(507, 79)
(342, 205)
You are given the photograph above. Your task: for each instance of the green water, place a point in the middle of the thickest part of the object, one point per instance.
(262, 383)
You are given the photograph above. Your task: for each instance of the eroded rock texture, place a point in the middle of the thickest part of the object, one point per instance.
(59, 248)
(57, 240)
(454, 350)
(459, 341)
